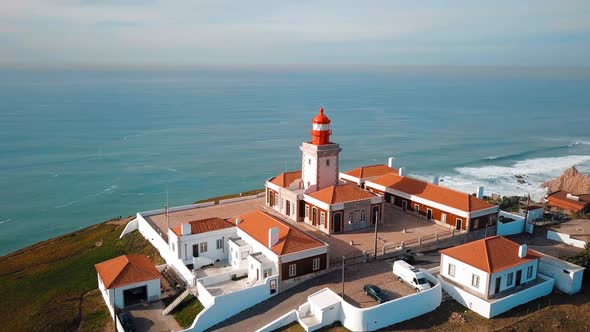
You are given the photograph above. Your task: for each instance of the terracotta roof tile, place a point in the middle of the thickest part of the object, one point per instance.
(126, 270)
(286, 179)
(291, 240)
(371, 171)
(491, 254)
(435, 193)
(342, 193)
(204, 225)
(559, 199)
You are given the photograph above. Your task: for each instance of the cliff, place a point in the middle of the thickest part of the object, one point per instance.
(571, 180)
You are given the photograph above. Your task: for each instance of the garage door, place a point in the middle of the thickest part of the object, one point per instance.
(135, 295)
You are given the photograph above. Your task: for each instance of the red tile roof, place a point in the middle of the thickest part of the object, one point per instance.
(371, 171)
(286, 179)
(126, 270)
(204, 225)
(559, 199)
(492, 254)
(435, 193)
(291, 240)
(342, 193)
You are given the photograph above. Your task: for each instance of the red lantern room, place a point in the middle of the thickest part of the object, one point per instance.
(321, 132)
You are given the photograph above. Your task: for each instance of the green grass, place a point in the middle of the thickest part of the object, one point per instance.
(219, 198)
(47, 285)
(187, 310)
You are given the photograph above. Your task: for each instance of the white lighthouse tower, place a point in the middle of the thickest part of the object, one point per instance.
(319, 158)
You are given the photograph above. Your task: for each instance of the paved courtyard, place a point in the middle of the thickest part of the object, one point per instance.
(148, 317)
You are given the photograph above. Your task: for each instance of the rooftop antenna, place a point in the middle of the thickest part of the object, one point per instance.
(285, 166)
(167, 209)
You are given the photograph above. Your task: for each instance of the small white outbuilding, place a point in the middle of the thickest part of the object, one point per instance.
(127, 280)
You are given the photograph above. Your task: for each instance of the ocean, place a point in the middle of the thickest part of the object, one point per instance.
(79, 146)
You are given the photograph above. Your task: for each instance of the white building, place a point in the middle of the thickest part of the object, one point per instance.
(201, 242)
(492, 275)
(127, 280)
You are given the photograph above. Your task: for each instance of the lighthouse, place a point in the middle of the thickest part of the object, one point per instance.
(319, 158)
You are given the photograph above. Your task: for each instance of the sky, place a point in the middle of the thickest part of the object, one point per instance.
(299, 32)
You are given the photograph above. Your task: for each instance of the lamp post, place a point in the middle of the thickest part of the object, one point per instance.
(343, 260)
(376, 222)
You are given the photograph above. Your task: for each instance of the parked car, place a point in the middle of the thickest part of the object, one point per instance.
(376, 293)
(127, 322)
(408, 258)
(410, 275)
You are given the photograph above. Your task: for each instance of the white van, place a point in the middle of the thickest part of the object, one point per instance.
(410, 275)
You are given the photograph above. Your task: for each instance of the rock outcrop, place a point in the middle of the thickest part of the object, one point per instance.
(572, 181)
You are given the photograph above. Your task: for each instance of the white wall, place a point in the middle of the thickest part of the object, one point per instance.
(570, 282)
(565, 238)
(463, 274)
(504, 275)
(308, 170)
(227, 305)
(284, 320)
(509, 228)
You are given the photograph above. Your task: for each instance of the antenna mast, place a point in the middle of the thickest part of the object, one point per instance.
(167, 209)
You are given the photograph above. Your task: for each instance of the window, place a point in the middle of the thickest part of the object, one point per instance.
(416, 208)
(350, 217)
(266, 273)
(173, 247)
(529, 272)
(363, 216)
(288, 208)
(203, 247)
(475, 281)
(276, 199)
(443, 217)
(219, 244)
(322, 218)
(316, 264)
(292, 270)
(307, 211)
(309, 161)
(510, 279)
(327, 162)
(195, 250)
(451, 271)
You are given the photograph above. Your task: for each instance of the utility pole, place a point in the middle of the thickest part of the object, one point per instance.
(343, 260)
(167, 213)
(376, 222)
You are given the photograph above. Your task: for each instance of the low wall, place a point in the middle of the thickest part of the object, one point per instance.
(130, 227)
(237, 199)
(565, 238)
(491, 308)
(204, 296)
(177, 208)
(227, 305)
(119, 325)
(284, 320)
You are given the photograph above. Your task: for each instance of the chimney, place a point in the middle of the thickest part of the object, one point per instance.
(390, 161)
(238, 221)
(185, 229)
(522, 251)
(480, 192)
(402, 171)
(273, 236)
(435, 180)
(572, 197)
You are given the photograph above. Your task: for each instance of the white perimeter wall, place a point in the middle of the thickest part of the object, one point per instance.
(496, 307)
(565, 238)
(227, 305)
(169, 256)
(568, 277)
(509, 228)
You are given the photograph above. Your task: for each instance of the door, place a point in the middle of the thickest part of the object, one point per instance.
(195, 250)
(375, 216)
(518, 277)
(498, 283)
(337, 222)
(458, 224)
(428, 214)
(314, 216)
(404, 205)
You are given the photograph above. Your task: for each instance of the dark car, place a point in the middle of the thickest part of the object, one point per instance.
(406, 258)
(376, 293)
(127, 322)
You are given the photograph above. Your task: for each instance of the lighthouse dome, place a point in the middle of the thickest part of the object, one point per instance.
(321, 118)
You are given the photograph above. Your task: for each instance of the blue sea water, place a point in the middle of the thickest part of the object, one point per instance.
(81, 146)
